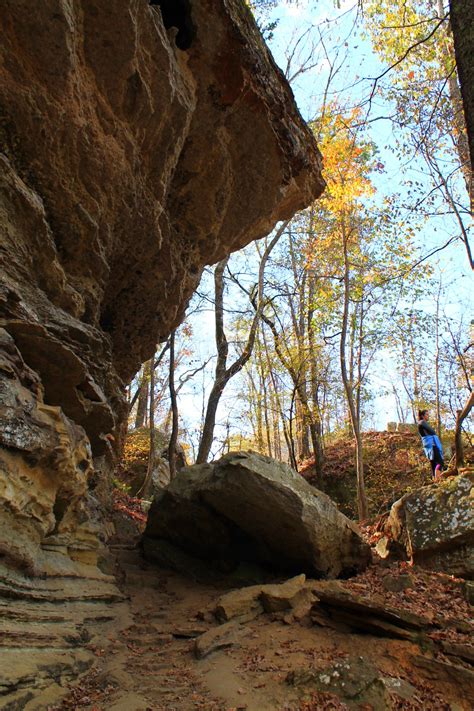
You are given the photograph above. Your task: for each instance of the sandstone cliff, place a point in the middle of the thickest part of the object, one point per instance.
(139, 143)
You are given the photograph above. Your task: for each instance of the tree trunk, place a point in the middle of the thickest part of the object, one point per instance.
(255, 408)
(278, 408)
(276, 417)
(302, 431)
(222, 351)
(210, 421)
(155, 365)
(143, 395)
(416, 401)
(316, 429)
(223, 373)
(361, 496)
(264, 402)
(151, 419)
(438, 397)
(360, 346)
(300, 396)
(460, 417)
(291, 439)
(268, 436)
(259, 413)
(462, 25)
(174, 409)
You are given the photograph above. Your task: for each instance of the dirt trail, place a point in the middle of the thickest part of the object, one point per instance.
(145, 659)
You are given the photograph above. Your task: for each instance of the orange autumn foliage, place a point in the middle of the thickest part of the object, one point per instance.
(347, 162)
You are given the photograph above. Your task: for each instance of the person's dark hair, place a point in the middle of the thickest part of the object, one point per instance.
(421, 414)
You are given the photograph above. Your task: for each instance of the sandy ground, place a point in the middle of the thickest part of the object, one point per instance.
(146, 660)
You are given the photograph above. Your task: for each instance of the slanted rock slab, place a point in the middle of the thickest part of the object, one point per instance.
(451, 673)
(369, 615)
(248, 507)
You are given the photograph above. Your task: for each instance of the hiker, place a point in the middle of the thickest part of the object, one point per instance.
(431, 444)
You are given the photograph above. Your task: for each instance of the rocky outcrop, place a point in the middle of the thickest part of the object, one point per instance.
(50, 631)
(45, 465)
(138, 145)
(343, 609)
(435, 525)
(247, 507)
(352, 683)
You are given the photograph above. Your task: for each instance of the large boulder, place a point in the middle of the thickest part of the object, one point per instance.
(435, 524)
(247, 507)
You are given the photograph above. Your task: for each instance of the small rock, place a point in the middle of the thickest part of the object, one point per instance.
(275, 598)
(188, 632)
(221, 637)
(468, 589)
(400, 687)
(242, 603)
(383, 547)
(397, 583)
(247, 603)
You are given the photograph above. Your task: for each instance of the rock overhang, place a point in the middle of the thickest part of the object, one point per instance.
(136, 163)
(132, 156)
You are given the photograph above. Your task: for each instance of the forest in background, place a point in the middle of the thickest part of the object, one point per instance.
(361, 303)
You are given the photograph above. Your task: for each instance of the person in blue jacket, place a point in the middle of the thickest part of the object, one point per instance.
(431, 444)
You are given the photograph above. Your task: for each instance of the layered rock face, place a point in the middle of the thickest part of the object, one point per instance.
(139, 142)
(247, 508)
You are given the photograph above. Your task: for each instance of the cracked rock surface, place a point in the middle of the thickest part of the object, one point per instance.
(435, 524)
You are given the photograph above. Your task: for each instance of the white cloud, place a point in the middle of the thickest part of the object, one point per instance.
(301, 12)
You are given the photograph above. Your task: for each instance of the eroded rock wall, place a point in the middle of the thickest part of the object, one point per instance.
(136, 148)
